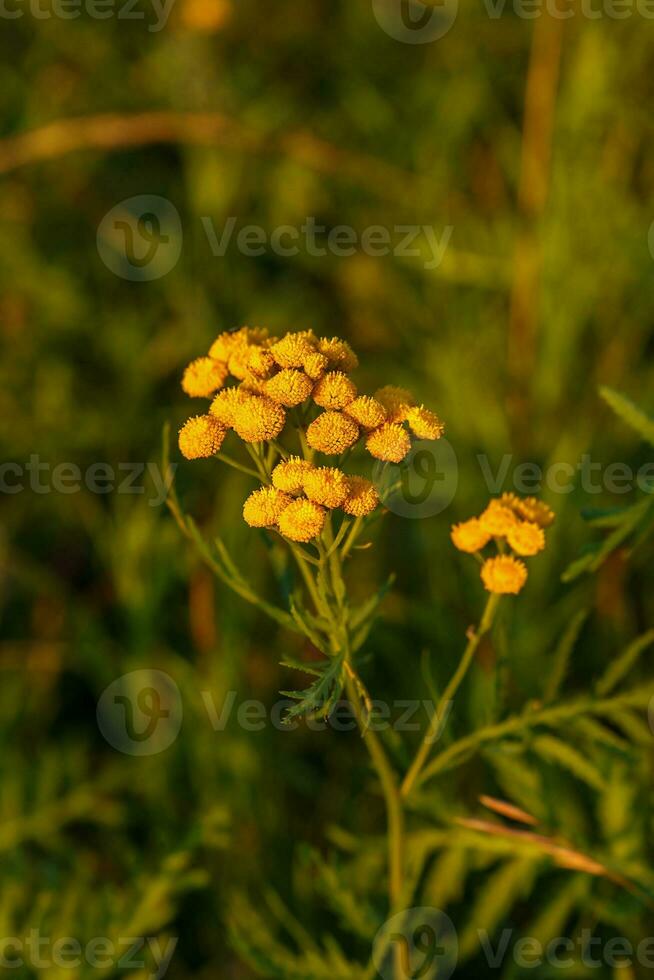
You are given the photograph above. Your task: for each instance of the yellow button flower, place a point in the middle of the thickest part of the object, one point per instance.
(334, 390)
(390, 442)
(504, 575)
(289, 475)
(532, 509)
(201, 436)
(226, 342)
(526, 538)
(227, 402)
(302, 520)
(326, 485)
(396, 401)
(338, 353)
(332, 433)
(315, 365)
(362, 497)
(289, 387)
(264, 507)
(258, 419)
(498, 519)
(204, 376)
(470, 536)
(260, 362)
(292, 350)
(366, 412)
(424, 424)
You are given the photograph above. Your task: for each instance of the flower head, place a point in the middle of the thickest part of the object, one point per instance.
(470, 536)
(332, 433)
(339, 354)
(201, 436)
(289, 475)
(334, 390)
(326, 485)
(289, 387)
(315, 365)
(362, 497)
(504, 575)
(302, 520)
(526, 538)
(292, 349)
(264, 507)
(532, 509)
(497, 519)
(258, 419)
(259, 362)
(366, 412)
(424, 424)
(226, 342)
(227, 402)
(204, 376)
(390, 442)
(396, 401)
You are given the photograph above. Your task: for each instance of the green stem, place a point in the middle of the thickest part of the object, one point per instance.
(432, 732)
(391, 791)
(237, 465)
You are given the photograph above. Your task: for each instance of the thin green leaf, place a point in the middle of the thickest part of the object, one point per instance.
(619, 668)
(629, 413)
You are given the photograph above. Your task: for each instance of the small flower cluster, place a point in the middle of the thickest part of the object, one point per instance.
(510, 521)
(255, 380)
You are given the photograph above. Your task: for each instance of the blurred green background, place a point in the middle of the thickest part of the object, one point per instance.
(544, 292)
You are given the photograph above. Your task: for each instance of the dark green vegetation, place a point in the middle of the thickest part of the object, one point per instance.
(326, 116)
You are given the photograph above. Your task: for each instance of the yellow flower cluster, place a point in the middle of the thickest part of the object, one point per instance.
(301, 494)
(255, 380)
(510, 521)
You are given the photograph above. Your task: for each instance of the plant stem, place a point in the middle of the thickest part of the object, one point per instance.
(432, 732)
(237, 465)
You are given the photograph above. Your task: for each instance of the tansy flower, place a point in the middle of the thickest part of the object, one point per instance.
(504, 575)
(291, 350)
(526, 538)
(326, 485)
(226, 342)
(366, 412)
(315, 365)
(332, 433)
(390, 442)
(532, 509)
(338, 353)
(424, 424)
(260, 362)
(302, 520)
(289, 475)
(396, 401)
(362, 498)
(225, 404)
(289, 387)
(264, 507)
(470, 536)
(258, 419)
(201, 436)
(238, 362)
(204, 376)
(334, 390)
(497, 519)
